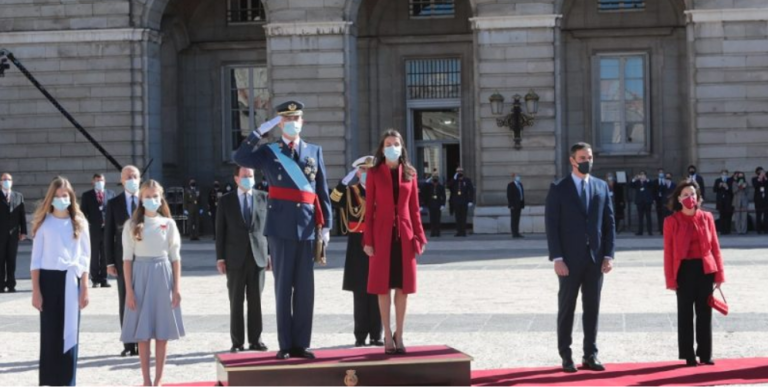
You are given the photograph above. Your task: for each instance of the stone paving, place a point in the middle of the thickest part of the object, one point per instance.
(490, 296)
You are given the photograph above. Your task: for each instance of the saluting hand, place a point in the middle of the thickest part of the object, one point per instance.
(368, 250)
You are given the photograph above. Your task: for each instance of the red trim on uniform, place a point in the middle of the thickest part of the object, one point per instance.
(355, 226)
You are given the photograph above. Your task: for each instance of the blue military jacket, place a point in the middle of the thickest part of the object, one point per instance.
(285, 219)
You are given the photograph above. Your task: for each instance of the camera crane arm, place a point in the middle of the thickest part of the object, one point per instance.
(6, 55)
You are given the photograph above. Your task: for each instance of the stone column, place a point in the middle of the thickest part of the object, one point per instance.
(514, 54)
(728, 51)
(315, 62)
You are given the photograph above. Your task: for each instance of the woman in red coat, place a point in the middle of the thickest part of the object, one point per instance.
(692, 266)
(393, 233)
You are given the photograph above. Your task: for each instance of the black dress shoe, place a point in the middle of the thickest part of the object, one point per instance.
(283, 355)
(2, 290)
(11, 289)
(258, 346)
(569, 366)
(302, 353)
(105, 284)
(518, 236)
(95, 285)
(592, 363)
(135, 351)
(708, 362)
(639, 234)
(236, 349)
(376, 342)
(125, 353)
(359, 344)
(691, 362)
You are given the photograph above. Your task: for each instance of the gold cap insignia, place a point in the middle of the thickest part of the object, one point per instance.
(292, 107)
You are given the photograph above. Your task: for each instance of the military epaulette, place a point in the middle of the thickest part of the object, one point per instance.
(336, 195)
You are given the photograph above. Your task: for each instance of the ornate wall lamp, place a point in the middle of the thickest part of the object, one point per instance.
(516, 120)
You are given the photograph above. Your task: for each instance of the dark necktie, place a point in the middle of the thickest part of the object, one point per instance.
(100, 197)
(584, 194)
(246, 210)
(131, 206)
(294, 154)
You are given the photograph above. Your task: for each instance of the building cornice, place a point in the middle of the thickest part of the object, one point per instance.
(516, 21)
(726, 15)
(80, 36)
(308, 28)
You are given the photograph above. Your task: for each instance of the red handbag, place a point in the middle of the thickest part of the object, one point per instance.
(720, 305)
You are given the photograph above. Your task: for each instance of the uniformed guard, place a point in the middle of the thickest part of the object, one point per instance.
(298, 202)
(462, 197)
(433, 196)
(192, 209)
(350, 200)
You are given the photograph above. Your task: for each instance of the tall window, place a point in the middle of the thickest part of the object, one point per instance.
(433, 78)
(247, 103)
(620, 5)
(432, 8)
(245, 11)
(622, 104)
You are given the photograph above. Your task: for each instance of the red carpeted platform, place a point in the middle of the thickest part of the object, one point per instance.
(725, 372)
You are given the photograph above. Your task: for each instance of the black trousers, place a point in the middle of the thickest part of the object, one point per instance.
(644, 214)
(515, 223)
(693, 289)
(98, 257)
(245, 284)
(434, 221)
(761, 216)
(726, 219)
(9, 247)
(367, 317)
(589, 278)
(461, 219)
(121, 301)
(661, 214)
(213, 222)
(56, 367)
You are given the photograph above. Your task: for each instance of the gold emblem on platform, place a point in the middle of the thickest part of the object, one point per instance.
(351, 380)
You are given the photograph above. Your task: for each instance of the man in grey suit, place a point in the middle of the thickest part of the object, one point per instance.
(241, 253)
(580, 236)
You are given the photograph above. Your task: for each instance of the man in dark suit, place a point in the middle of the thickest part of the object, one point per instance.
(723, 189)
(119, 210)
(241, 254)
(193, 207)
(462, 198)
(760, 184)
(299, 206)
(515, 203)
(643, 201)
(694, 177)
(94, 207)
(13, 228)
(662, 189)
(580, 236)
(433, 197)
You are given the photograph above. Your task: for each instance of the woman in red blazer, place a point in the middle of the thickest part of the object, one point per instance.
(393, 233)
(692, 266)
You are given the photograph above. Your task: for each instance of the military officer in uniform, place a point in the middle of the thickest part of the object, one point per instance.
(192, 209)
(213, 204)
(433, 195)
(462, 197)
(299, 202)
(350, 200)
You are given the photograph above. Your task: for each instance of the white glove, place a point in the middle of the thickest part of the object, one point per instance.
(268, 125)
(349, 177)
(326, 235)
(421, 209)
(470, 204)
(186, 213)
(442, 207)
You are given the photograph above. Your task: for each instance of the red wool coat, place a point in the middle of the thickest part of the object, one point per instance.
(678, 230)
(380, 215)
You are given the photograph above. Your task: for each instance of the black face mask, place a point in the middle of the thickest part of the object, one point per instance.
(435, 180)
(585, 167)
(461, 175)
(216, 186)
(691, 172)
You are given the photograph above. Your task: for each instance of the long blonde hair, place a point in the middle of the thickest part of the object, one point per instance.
(45, 207)
(137, 219)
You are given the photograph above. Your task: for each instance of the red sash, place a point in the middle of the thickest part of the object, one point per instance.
(296, 195)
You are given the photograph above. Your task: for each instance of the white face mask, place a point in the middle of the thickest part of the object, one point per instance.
(132, 185)
(7, 185)
(151, 204)
(61, 203)
(292, 128)
(99, 185)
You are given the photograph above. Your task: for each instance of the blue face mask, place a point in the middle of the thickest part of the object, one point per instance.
(7, 185)
(132, 185)
(99, 186)
(151, 204)
(362, 178)
(61, 203)
(517, 179)
(247, 183)
(393, 153)
(292, 128)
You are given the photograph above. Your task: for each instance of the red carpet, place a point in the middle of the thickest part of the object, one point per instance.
(726, 372)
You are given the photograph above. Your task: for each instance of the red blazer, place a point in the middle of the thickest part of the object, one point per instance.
(677, 239)
(380, 211)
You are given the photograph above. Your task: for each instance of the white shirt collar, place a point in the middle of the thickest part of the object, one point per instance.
(295, 142)
(578, 180)
(128, 195)
(241, 191)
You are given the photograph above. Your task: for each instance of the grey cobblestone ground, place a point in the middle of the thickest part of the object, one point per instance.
(490, 296)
